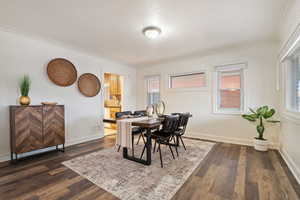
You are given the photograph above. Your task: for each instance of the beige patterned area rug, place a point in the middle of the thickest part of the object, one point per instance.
(129, 180)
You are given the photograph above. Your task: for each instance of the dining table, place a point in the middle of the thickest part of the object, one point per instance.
(148, 125)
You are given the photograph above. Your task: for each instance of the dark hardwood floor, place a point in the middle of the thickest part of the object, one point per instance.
(228, 172)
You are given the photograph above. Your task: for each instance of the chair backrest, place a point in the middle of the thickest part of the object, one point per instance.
(170, 123)
(183, 121)
(184, 118)
(140, 112)
(121, 114)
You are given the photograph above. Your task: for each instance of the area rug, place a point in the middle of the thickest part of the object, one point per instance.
(129, 180)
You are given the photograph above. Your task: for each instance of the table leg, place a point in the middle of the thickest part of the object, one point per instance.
(148, 146)
(125, 152)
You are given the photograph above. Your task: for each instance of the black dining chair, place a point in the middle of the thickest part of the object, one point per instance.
(163, 136)
(141, 113)
(135, 130)
(122, 114)
(180, 130)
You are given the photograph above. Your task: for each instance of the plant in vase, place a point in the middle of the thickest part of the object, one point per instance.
(261, 116)
(25, 84)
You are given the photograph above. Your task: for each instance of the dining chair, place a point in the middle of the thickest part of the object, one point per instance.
(164, 135)
(135, 130)
(122, 114)
(140, 113)
(180, 130)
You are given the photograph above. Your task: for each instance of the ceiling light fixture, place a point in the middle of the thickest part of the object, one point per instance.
(151, 32)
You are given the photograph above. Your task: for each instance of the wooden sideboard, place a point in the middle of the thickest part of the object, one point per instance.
(36, 127)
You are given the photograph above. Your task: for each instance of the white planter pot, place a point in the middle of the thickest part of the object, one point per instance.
(261, 145)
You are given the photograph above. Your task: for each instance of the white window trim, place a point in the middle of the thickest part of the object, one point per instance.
(289, 48)
(204, 88)
(225, 68)
(287, 112)
(146, 86)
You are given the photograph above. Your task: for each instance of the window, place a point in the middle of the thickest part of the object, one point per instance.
(190, 80)
(229, 91)
(153, 94)
(293, 82)
(290, 62)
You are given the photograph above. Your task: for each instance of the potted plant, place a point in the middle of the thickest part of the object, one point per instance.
(25, 84)
(261, 115)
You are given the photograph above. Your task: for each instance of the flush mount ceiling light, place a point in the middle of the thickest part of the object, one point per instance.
(152, 32)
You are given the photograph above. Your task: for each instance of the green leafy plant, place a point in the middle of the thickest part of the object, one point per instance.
(25, 84)
(261, 115)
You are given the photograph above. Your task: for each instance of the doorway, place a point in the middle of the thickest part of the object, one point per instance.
(113, 99)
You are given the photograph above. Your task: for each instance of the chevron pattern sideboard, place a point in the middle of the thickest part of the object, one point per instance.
(36, 127)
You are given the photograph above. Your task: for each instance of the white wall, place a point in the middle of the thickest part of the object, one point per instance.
(260, 86)
(289, 133)
(21, 55)
(290, 20)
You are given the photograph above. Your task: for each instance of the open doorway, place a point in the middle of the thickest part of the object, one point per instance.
(113, 98)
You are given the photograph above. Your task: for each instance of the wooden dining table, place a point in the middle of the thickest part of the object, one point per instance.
(148, 125)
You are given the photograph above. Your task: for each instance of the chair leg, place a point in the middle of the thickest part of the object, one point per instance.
(176, 151)
(143, 152)
(171, 151)
(154, 147)
(182, 142)
(161, 162)
(139, 139)
(143, 138)
(119, 148)
(173, 138)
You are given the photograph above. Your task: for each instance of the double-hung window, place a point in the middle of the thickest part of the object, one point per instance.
(292, 81)
(290, 62)
(153, 89)
(229, 89)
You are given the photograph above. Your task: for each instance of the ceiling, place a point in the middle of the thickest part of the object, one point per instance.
(113, 28)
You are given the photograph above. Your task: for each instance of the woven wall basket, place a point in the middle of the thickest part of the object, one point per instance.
(89, 85)
(61, 72)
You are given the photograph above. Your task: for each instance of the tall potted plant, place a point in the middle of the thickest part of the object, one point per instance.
(25, 84)
(261, 116)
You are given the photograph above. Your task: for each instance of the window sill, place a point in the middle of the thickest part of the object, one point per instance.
(223, 112)
(202, 89)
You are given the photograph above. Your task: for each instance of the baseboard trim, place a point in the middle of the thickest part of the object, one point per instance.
(230, 140)
(290, 163)
(6, 156)
(84, 139)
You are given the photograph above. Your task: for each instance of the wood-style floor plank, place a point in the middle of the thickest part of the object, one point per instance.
(228, 172)
(240, 183)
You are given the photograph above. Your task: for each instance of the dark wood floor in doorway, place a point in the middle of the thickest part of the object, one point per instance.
(228, 172)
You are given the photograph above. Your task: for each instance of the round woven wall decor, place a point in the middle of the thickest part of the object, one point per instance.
(61, 72)
(89, 85)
